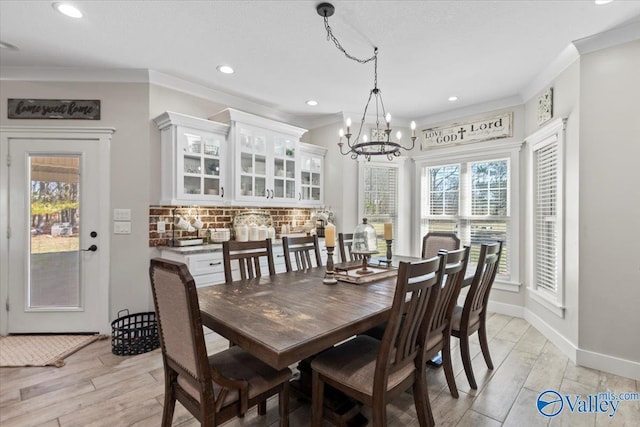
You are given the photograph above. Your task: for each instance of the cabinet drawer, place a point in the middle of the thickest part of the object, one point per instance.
(205, 264)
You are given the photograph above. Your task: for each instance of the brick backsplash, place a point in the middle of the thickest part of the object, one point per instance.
(214, 217)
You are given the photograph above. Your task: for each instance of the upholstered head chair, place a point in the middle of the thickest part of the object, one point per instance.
(433, 242)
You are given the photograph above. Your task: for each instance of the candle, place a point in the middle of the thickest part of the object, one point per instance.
(388, 231)
(330, 236)
(388, 119)
(413, 128)
(348, 125)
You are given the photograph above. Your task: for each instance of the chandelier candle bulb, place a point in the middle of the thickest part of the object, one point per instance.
(348, 125)
(399, 135)
(413, 129)
(388, 119)
(388, 231)
(330, 236)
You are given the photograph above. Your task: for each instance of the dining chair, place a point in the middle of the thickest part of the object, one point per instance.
(439, 335)
(248, 255)
(373, 371)
(212, 388)
(301, 249)
(345, 243)
(434, 241)
(472, 316)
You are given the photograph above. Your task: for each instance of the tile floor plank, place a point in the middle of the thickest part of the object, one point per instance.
(96, 387)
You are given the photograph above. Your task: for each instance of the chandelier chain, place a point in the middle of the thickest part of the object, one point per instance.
(335, 41)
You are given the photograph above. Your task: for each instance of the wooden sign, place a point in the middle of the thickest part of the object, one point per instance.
(69, 109)
(463, 133)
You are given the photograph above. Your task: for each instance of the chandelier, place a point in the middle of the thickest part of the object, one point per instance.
(381, 143)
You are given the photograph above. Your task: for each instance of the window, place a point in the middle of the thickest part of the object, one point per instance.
(380, 198)
(472, 200)
(473, 191)
(546, 216)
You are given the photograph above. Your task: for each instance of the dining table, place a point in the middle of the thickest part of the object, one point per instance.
(287, 317)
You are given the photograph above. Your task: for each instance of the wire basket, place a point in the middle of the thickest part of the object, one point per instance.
(134, 333)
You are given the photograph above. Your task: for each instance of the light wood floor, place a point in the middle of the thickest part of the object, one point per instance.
(99, 389)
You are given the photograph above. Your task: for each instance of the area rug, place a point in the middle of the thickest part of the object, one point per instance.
(41, 350)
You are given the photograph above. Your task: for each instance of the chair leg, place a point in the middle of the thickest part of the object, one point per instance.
(421, 400)
(283, 405)
(466, 360)
(317, 399)
(448, 367)
(262, 407)
(167, 410)
(169, 400)
(379, 411)
(484, 344)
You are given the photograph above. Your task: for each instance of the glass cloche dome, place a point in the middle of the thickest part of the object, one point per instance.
(364, 239)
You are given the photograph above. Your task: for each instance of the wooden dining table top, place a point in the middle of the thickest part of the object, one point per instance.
(284, 318)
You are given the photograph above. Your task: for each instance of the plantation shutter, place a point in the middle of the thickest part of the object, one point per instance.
(546, 209)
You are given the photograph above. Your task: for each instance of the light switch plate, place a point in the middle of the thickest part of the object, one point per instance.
(121, 227)
(160, 227)
(122, 214)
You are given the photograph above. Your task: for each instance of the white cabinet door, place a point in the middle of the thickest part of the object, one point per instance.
(194, 160)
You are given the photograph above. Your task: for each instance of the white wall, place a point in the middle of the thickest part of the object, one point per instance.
(566, 97)
(610, 202)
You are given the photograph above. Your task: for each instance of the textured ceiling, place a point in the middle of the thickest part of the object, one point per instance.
(481, 51)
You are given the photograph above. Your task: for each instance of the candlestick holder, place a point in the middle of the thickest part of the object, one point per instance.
(389, 256)
(329, 276)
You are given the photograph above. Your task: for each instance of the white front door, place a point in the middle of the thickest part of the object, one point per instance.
(58, 240)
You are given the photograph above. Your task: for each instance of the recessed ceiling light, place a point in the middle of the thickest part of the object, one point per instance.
(601, 2)
(453, 98)
(226, 69)
(312, 102)
(67, 9)
(8, 46)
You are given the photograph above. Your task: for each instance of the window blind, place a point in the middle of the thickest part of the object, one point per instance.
(546, 176)
(381, 200)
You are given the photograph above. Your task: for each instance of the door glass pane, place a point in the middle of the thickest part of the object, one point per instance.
(54, 215)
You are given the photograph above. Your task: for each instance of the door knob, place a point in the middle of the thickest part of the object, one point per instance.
(91, 248)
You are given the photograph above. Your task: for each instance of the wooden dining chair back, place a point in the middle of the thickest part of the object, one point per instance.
(473, 315)
(303, 250)
(248, 255)
(439, 335)
(345, 244)
(434, 241)
(213, 388)
(375, 371)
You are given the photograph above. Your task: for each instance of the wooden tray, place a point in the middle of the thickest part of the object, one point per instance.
(351, 276)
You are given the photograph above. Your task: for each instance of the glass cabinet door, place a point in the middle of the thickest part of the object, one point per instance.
(201, 164)
(253, 164)
(284, 168)
(310, 177)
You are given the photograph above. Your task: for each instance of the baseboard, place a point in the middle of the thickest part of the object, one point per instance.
(552, 335)
(612, 364)
(506, 309)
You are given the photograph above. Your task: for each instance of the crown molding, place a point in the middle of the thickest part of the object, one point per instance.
(61, 74)
(471, 110)
(628, 32)
(567, 57)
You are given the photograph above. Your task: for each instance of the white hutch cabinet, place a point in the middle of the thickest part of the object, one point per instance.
(266, 160)
(194, 159)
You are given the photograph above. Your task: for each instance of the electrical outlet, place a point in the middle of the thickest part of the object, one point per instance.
(160, 227)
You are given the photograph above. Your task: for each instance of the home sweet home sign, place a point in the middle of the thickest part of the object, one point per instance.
(71, 109)
(500, 126)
